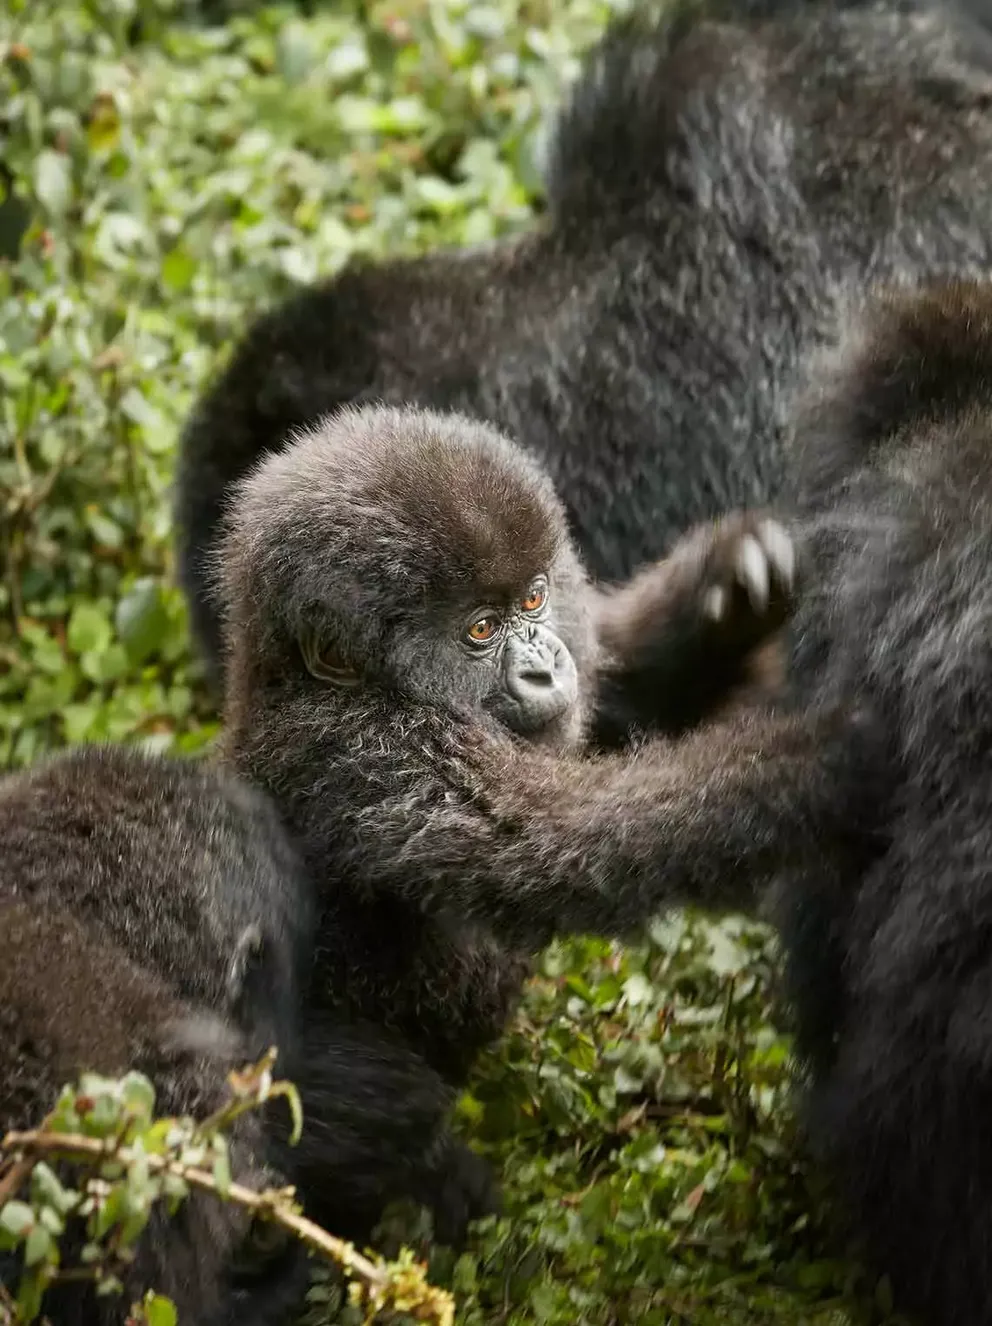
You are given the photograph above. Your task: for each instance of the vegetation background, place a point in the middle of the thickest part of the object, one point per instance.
(166, 171)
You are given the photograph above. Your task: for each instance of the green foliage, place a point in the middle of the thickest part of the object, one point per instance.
(160, 183)
(111, 1197)
(639, 1111)
(121, 1160)
(161, 180)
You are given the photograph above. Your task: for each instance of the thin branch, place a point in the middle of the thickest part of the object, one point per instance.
(12, 1180)
(7, 1305)
(72, 1145)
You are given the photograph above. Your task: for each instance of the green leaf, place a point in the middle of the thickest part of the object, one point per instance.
(46, 1188)
(175, 1188)
(104, 530)
(89, 629)
(38, 1245)
(294, 52)
(107, 1214)
(485, 21)
(53, 181)
(46, 653)
(80, 721)
(16, 1219)
(105, 664)
(178, 270)
(53, 1222)
(138, 1096)
(158, 1310)
(637, 990)
(30, 1293)
(438, 195)
(348, 58)
(142, 619)
(156, 1139)
(139, 409)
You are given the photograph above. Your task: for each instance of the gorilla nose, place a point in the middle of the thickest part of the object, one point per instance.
(540, 677)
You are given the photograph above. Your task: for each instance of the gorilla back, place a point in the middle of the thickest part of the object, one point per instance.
(716, 185)
(153, 917)
(890, 947)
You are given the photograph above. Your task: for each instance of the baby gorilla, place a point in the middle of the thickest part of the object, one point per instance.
(415, 656)
(153, 917)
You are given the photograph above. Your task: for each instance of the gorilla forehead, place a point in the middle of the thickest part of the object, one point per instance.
(407, 499)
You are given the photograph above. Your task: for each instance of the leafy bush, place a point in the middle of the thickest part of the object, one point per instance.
(98, 1165)
(162, 180)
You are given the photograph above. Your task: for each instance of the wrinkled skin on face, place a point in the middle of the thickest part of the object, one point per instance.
(507, 659)
(539, 681)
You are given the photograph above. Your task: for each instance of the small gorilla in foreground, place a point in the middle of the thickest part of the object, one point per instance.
(153, 917)
(717, 184)
(414, 659)
(888, 933)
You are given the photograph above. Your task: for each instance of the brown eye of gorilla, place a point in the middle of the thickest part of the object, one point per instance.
(535, 598)
(483, 629)
(264, 1242)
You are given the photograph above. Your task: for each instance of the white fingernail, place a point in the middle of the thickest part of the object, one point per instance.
(779, 550)
(715, 603)
(752, 572)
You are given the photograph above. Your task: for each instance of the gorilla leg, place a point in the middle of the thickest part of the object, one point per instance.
(375, 1130)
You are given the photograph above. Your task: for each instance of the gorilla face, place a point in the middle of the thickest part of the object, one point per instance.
(535, 679)
(507, 658)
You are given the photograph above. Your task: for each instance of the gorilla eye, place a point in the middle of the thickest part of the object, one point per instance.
(483, 629)
(266, 1238)
(264, 1242)
(535, 598)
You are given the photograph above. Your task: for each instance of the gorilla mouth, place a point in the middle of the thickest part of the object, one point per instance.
(523, 718)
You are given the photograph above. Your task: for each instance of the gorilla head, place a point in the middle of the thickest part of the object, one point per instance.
(415, 555)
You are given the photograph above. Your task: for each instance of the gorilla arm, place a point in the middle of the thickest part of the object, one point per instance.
(534, 846)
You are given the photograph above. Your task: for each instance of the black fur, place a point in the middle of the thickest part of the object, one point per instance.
(154, 917)
(717, 184)
(889, 935)
(446, 848)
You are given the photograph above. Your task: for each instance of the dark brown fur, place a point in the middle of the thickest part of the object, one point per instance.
(888, 929)
(127, 888)
(721, 180)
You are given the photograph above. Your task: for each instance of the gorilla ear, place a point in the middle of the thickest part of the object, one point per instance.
(324, 661)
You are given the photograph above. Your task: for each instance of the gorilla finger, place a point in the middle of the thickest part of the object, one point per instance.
(752, 571)
(715, 602)
(779, 551)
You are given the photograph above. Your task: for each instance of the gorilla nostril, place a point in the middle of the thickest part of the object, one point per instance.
(538, 676)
